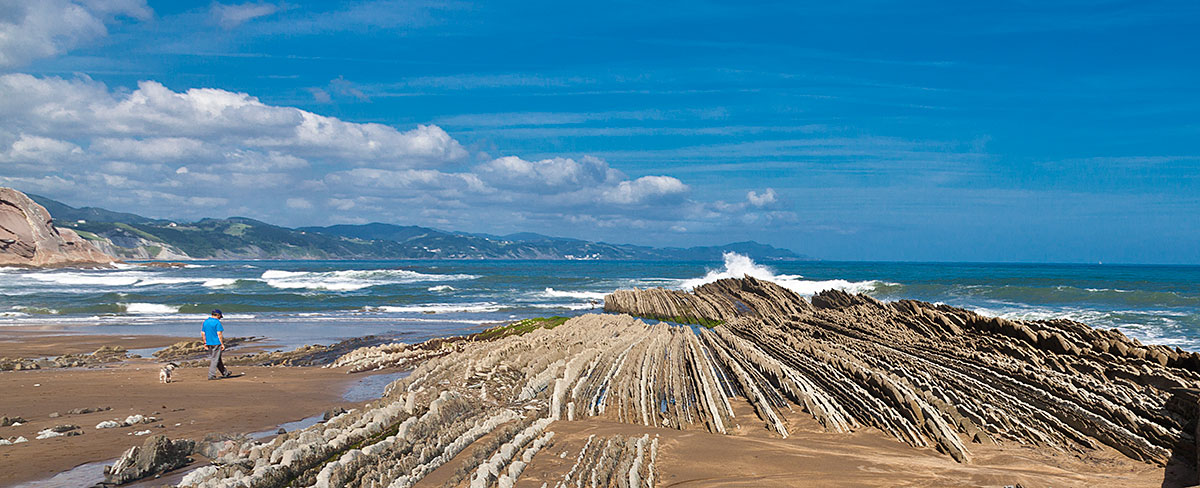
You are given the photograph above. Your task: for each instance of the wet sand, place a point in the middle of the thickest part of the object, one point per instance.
(28, 343)
(811, 457)
(190, 407)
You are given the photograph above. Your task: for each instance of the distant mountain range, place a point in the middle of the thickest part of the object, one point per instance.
(131, 236)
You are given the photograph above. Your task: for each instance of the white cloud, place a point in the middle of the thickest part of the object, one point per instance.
(644, 189)
(149, 149)
(83, 107)
(33, 29)
(28, 148)
(214, 153)
(548, 174)
(231, 16)
(767, 197)
(299, 203)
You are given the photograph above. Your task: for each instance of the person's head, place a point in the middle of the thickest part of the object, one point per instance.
(217, 314)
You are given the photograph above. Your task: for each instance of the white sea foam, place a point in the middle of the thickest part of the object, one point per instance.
(100, 278)
(350, 280)
(218, 282)
(564, 306)
(441, 288)
(1148, 326)
(150, 308)
(437, 308)
(738, 266)
(582, 295)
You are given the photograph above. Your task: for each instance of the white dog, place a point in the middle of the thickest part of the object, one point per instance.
(164, 374)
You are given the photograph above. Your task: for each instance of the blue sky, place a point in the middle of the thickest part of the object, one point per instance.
(941, 131)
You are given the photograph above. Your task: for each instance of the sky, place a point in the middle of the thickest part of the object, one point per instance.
(1035, 131)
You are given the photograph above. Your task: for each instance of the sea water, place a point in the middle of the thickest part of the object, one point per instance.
(305, 302)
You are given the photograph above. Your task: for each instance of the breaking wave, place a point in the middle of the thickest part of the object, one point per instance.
(581, 295)
(738, 266)
(437, 308)
(149, 308)
(350, 280)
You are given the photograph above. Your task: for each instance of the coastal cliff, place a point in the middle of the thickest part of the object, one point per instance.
(28, 237)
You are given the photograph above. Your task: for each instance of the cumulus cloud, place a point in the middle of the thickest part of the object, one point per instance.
(645, 189)
(548, 174)
(233, 15)
(36, 29)
(767, 197)
(208, 152)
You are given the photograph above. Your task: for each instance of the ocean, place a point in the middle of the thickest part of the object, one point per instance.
(306, 302)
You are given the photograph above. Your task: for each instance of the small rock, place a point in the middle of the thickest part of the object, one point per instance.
(333, 412)
(64, 428)
(55, 415)
(7, 421)
(281, 431)
(108, 424)
(157, 455)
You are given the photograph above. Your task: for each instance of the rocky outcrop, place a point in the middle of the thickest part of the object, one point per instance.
(928, 375)
(157, 455)
(933, 374)
(28, 237)
(103, 355)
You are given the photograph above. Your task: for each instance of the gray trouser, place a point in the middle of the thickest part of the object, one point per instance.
(215, 364)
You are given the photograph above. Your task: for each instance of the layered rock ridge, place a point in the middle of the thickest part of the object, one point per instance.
(28, 237)
(479, 409)
(934, 374)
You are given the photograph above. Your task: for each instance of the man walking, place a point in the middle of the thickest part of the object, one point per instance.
(214, 342)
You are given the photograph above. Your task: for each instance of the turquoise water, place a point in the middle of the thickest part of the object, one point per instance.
(296, 302)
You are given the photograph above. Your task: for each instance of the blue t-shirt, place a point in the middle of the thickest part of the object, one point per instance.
(210, 328)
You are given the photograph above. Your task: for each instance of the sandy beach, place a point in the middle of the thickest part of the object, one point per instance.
(812, 457)
(539, 389)
(190, 407)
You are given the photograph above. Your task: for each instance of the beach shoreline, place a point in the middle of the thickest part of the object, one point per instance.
(263, 398)
(259, 400)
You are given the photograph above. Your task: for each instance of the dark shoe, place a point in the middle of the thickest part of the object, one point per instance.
(210, 378)
(227, 374)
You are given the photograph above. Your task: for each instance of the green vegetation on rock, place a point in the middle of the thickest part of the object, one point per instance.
(521, 327)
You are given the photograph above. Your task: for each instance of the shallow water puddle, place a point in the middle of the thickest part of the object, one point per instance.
(371, 387)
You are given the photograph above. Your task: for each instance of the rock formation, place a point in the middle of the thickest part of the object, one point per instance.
(28, 237)
(157, 455)
(928, 375)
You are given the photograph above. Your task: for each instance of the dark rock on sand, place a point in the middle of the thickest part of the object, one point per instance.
(331, 413)
(104, 355)
(194, 349)
(157, 455)
(7, 421)
(312, 355)
(28, 237)
(86, 410)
